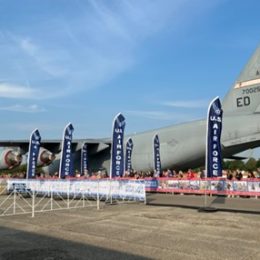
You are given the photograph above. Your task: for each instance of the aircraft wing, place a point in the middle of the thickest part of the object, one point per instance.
(234, 157)
(254, 138)
(243, 155)
(94, 145)
(241, 148)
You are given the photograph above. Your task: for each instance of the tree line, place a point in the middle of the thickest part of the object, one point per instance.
(250, 165)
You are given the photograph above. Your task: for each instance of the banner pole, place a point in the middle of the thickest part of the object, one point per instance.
(206, 157)
(98, 207)
(68, 195)
(33, 203)
(145, 201)
(213, 166)
(205, 194)
(110, 191)
(14, 209)
(51, 199)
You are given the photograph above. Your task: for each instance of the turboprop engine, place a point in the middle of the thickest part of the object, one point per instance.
(10, 159)
(45, 157)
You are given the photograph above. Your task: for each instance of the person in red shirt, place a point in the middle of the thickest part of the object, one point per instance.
(190, 174)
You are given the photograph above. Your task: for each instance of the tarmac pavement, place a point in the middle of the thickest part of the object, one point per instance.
(131, 231)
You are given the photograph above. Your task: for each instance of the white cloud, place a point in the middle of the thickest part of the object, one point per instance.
(187, 104)
(150, 114)
(84, 47)
(8, 90)
(13, 91)
(46, 60)
(28, 46)
(162, 115)
(24, 109)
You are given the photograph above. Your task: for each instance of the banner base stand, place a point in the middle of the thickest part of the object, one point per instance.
(207, 209)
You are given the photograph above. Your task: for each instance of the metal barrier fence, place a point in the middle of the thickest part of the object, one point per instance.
(244, 187)
(33, 196)
(16, 201)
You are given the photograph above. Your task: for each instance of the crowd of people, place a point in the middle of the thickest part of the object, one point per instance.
(190, 174)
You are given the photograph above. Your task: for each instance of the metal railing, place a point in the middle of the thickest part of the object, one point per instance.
(35, 196)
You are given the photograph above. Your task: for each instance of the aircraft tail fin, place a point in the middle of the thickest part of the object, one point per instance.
(244, 96)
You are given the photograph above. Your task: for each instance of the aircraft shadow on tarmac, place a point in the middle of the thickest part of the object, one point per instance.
(16, 244)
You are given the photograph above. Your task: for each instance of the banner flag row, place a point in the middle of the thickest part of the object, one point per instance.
(120, 160)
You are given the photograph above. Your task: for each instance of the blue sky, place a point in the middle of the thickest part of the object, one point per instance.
(157, 62)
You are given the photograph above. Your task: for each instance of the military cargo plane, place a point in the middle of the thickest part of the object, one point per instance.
(181, 146)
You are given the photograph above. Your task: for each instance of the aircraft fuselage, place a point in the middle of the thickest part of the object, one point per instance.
(183, 146)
